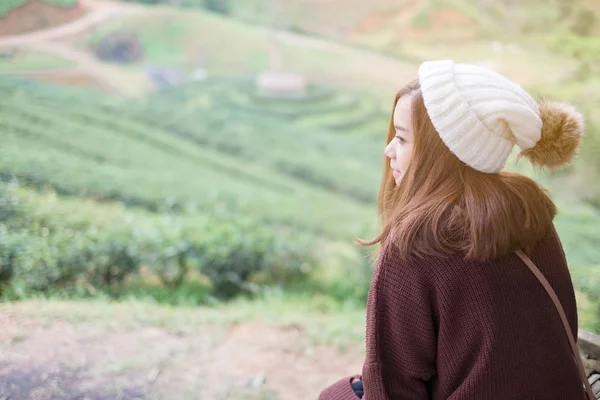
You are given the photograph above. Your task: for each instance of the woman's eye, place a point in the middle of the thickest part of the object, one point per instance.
(400, 139)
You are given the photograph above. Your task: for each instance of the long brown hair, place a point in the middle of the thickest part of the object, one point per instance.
(443, 206)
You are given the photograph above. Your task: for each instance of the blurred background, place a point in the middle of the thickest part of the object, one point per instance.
(181, 180)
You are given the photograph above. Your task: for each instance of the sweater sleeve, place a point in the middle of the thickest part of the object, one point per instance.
(401, 334)
(341, 390)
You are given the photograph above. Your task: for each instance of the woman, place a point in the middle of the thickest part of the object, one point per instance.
(453, 312)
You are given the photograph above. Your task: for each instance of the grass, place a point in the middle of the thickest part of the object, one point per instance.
(30, 61)
(8, 5)
(336, 325)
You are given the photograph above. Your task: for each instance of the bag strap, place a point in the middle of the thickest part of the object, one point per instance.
(563, 317)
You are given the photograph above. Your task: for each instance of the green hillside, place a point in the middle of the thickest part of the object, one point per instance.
(267, 183)
(241, 160)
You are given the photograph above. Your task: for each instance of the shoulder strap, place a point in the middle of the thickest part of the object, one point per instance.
(563, 317)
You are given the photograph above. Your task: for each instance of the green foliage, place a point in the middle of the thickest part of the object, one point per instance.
(176, 158)
(422, 19)
(240, 265)
(354, 286)
(9, 209)
(589, 166)
(106, 149)
(9, 248)
(218, 6)
(47, 254)
(29, 60)
(585, 22)
(233, 106)
(584, 49)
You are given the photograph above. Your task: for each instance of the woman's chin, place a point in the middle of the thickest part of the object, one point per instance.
(397, 177)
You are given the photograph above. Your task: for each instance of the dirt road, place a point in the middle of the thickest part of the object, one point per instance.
(79, 350)
(48, 41)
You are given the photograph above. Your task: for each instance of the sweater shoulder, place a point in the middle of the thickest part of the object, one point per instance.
(426, 267)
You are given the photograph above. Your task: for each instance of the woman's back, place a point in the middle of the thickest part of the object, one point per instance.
(499, 334)
(445, 328)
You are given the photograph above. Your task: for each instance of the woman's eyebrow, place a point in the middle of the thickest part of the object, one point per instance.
(400, 128)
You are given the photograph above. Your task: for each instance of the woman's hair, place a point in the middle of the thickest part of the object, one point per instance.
(443, 206)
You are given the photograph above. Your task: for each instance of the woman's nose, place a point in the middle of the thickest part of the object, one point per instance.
(389, 151)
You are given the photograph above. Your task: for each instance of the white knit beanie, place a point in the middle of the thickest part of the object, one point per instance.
(479, 114)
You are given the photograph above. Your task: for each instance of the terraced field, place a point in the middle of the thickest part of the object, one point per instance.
(230, 147)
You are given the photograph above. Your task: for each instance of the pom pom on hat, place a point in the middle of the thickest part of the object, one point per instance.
(480, 115)
(562, 129)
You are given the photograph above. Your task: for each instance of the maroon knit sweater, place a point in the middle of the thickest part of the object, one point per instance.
(444, 328)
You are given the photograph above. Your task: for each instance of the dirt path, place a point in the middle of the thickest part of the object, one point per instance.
(47, 41)
(97, 12)
(72, 350)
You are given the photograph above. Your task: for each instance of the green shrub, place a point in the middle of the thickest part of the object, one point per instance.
(218, 6)
(165, 248)
(38, 264)
(111, 256)
(46, 254)
(9, 248)
(352, 281)
(8, 204)
(237, 258)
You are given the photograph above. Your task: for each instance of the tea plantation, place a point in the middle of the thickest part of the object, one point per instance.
(215, 176)
(207, 182)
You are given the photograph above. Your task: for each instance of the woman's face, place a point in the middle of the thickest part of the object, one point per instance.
(399, 150)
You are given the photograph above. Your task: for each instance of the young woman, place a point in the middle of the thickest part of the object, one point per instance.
(453, 313)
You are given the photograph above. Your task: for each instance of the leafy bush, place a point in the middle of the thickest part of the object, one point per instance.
(119, 47)
(46, 253)
(9, 248)
(234, 261)
(165, 248)
(237, 258)
(218, 6)
(111, 256)
(8, 204)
